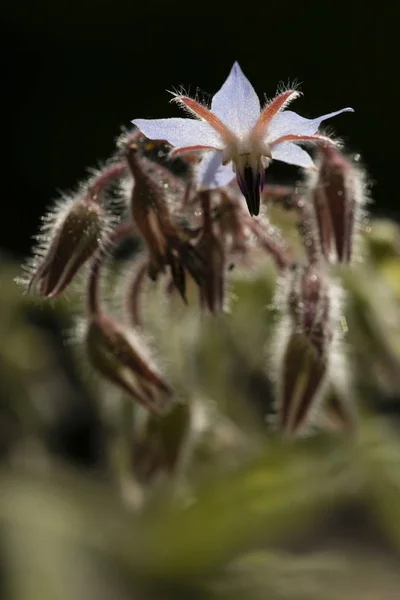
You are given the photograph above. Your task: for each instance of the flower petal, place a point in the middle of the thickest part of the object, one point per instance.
(236, 103)
(292, 154)
(212, 173)
(180, 132)
(289, 122)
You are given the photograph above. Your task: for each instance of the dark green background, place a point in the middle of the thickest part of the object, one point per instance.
(75, 72)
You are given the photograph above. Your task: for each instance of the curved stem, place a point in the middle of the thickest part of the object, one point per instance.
(276, 250)
(133, 300)
(93, 296)
(106, 177)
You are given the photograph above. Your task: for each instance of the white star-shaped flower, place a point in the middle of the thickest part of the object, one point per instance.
(238, 137)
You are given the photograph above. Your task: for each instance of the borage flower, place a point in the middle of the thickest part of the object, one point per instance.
(241, 139)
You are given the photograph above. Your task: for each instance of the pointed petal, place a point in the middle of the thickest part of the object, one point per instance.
(289, 122)
(236, 103)
(212, 173)
(180, 132)
(292, 154)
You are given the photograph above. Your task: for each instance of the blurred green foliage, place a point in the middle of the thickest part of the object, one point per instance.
(207, 501)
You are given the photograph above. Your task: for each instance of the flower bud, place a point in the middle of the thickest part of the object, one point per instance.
(339, 413)
(161, 442)
(121, 361)
(305, 358)
(337, 196)
(75, 240)
(149, 210)
(309, 305)
(302, 375)
(167, 244)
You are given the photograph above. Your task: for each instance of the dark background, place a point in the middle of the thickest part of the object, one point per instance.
(74, 73)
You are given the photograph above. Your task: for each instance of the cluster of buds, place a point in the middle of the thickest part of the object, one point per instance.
(195, 219)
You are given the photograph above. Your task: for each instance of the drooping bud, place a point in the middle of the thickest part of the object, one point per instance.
(71, 233)
(167, 244)
(161, 442)
(75, 240)
(149, 211)
(120, 360)
(337, 195)
(211, 251)
(339, 414)
(305, 359)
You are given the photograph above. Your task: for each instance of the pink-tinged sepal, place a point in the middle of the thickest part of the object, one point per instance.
(273, 108)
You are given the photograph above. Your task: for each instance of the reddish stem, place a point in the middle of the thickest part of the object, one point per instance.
(308, 228)
(276, 250)
(105, 178)
(93, 297)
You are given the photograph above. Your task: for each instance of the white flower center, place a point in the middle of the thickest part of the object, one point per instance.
(247, 152)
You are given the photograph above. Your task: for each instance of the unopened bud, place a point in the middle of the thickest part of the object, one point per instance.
(120, 360)
(149, 210)
(301, 378)
(159, 446)
(339, 414)
(305, 358)
(309, 304)
(75, 240)
(166, 243)
(337, 197)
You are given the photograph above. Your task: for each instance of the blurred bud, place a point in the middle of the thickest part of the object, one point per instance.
(306, 355)
(120, 360)
(339, 413)
(161, 443)
(302, 375)
(337, 195)
(232, 222)
(74, 241)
